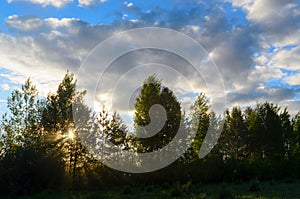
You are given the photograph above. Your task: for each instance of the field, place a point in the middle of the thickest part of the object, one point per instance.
(253, 189)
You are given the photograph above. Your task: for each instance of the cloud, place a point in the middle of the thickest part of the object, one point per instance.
(47, 51)
(249, 51)
(293, 80)
(90, 2)
(262, 73)
(288, 59)
(5, 87)
(55, 3)
(25, 23)
(61, 3)
(128, 4)
(265, 11)
(271, 16)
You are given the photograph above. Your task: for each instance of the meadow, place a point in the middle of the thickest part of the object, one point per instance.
(253, 189)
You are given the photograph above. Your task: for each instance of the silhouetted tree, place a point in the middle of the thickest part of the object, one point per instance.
(234, 139)
(60, 129)
(199, 123)
(152, 93)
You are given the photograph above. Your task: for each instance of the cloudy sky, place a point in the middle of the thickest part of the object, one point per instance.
(254, 44)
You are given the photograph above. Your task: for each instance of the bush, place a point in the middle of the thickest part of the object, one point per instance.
(225, 192)
(127, 190)
(149, 188)
(165, 185)
(176, 191)
(202, 196)
(187, 187)
(254, 186)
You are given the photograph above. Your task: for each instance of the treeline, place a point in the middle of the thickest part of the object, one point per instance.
(40, 147)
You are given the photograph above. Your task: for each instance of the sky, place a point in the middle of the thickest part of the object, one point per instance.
(254, 44)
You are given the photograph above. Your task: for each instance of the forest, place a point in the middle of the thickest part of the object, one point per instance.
(40, 148)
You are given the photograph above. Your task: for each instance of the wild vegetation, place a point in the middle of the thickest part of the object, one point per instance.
(40, 150)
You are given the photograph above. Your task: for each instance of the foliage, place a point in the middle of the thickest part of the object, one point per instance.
(199, 124)
(152, 93)
(254, 186)
(21, 123)
(234, 139)
(41, 148)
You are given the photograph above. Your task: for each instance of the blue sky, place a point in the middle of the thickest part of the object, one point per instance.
(254, 43)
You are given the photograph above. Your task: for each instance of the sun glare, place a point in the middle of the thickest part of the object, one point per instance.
(71, 134)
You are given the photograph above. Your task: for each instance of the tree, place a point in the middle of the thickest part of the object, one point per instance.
(173, 109)
(21, 123)
(113, 128)
(287, 131)
(152, 93)
(273, 142)
(200, 117)
(254, 128)
(294, 141)
(117, 130)
(25, 161)
(265, 131)
(58, 123)
(234, 135)
(58, 113)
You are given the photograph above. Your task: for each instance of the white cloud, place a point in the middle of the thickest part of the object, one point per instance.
(265, 73)
(55, 3)
(44, 48)
(23, 23)
(5, 87)
(48, 52)
(267, 11)
(90, 2)
(129, 4)
(288, 59)
(293, 80)
(60, 3)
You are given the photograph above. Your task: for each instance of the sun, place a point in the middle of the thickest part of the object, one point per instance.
(71, 134)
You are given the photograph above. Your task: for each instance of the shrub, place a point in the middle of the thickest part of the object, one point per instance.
(126, 190)
(202, 196)
(175, 191)
(254, 186)
(186, 187)
(165, 185)
(225, 192)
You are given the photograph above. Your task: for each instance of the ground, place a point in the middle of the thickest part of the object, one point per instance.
(254, 189)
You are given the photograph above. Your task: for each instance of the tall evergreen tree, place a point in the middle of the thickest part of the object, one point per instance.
(113, 127)
(287, 131)
(294, 139)
(21, 123)
(25, 161)
(200, 117)
(265, 131)
(60, 128)
(152, 93)
(234, 135)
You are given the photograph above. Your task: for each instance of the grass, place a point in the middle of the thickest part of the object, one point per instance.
(272, 189)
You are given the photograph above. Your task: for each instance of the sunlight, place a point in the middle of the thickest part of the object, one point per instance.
(71, 134)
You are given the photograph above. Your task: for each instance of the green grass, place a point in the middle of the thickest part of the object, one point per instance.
(271, 189)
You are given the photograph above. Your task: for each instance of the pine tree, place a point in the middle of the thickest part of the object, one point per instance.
(152, 93)
(61, 132)
(234, 136)
(200, 118)
(21, 123)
